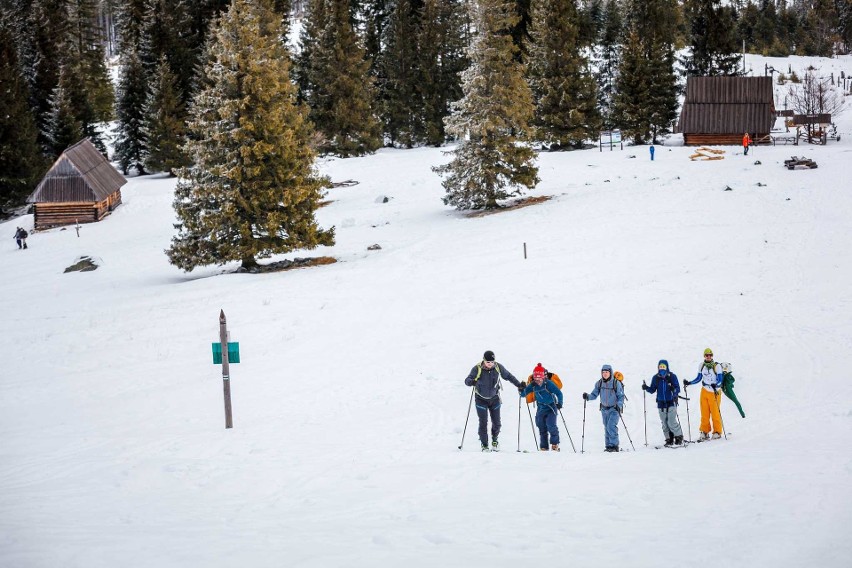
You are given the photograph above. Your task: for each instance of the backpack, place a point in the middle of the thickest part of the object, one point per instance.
(620, 377)
(550, 377)
(24, 234)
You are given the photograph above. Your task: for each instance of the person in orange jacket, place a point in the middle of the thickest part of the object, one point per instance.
(746, 142)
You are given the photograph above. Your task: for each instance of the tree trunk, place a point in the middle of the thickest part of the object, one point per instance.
(249, 262)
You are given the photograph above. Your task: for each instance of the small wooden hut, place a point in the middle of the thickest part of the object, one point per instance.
(81, 186)
(719, 110)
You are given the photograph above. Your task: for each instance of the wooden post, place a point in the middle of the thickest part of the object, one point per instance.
(226, 378)
(525, 251)
(77, 227)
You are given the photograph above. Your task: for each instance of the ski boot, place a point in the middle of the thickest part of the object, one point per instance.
(544, 449)
(485, 448)
(669, 441)
(703, 437)
(555, 447)
(495, 445)
(678, 440)
(716, 435)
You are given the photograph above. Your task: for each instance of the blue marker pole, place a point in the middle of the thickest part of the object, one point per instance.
(652, 153)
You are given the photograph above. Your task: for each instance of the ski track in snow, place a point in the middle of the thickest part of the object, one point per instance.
(349, 401)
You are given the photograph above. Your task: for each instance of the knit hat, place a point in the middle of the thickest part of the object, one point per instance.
(663, 364)
(488, 356)
(539, 372)
(708, 351)
(606, 368)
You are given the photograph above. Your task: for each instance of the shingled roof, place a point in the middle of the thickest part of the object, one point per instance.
(724, 105)
(80, 174)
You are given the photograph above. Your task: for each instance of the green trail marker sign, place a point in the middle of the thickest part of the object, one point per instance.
(233, 352)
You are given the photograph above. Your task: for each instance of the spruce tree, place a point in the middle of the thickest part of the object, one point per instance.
(443, 38)
(630, 110)
(714, 49)
(252, 191)
(565, 92)
(646, 99)
(62, 128)
(131, 96)
(20, 158)
(608, 58)
(400, 96)
(491, 162)
(165, 126)
(340, 90)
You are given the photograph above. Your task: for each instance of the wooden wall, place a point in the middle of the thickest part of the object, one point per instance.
(717, 139)
(57, 214)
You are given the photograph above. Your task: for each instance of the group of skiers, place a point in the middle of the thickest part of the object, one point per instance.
(544, 388)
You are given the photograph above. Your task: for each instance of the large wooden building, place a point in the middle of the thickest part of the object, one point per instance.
(81, 186)
(719, 110)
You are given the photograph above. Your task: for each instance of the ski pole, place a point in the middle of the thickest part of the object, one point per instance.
(583, 439)
(469, 404)
(688, 425)
(626, 430)
(566, 429)
(519, 423)
(532, 426)
(645, 411)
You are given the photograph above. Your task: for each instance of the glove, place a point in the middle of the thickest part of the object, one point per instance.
(559, 405)
(585, 396)
(619, 410)
(685, 383)
(644, 386)
(521, 391)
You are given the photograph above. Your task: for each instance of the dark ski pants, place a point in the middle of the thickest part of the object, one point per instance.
(484, 407)
(545, 419)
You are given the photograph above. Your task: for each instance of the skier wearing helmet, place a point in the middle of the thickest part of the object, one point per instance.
(710, 377)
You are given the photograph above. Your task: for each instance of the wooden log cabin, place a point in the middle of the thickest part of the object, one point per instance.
(81, 186)
(719, 110)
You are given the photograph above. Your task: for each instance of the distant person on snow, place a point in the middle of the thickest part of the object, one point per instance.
(611, 392)
(667, 387)
(710, 376)
(486, 380)
(21, 237)
(548, 400)
(746, 142)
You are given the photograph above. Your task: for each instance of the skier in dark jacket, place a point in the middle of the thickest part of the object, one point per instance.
(21, 237)
(548, 400)
(485, 378)
(666, 385)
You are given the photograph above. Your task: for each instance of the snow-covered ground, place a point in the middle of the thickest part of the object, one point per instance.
(349, 402)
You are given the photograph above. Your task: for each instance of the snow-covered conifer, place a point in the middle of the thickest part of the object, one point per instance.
(252, 189)
(491, 161)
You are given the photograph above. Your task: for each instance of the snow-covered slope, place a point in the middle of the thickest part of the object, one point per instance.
(349, 402)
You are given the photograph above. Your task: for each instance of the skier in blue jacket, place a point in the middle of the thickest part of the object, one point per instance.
(667, 387)
(611, 392)
(548, 400)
